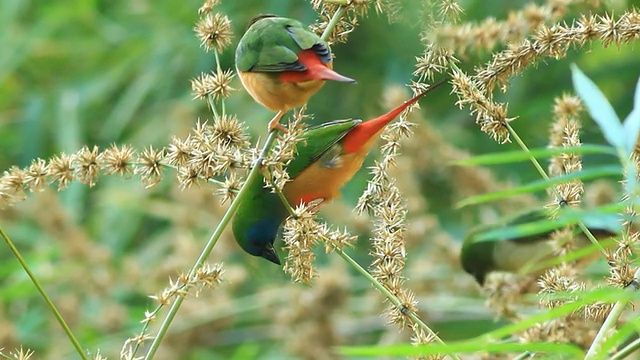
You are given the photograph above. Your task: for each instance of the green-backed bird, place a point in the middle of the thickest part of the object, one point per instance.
(282, 63)
(328, 157)
(524, 253)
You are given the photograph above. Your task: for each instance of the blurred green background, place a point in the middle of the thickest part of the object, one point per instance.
(75, 73)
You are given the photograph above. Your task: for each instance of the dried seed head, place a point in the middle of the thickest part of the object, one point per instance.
(216, 84)
(149, 166)
(179, 151)
(228, 130)
(300, 234)
(61, 170)
(117, 160)
(230, 188)
(214, 32)
(85, 165)
(188, 176)
(35, 176)
(208, 6)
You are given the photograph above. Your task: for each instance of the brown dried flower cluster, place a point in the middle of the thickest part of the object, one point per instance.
(347, 23)
(83, 166)
(212, 150)
(215, 84)
(17, 354)
(205, 276)
(489, 33)
(301, 232)
(383, 199)
(208, 6)
(554, 41)
(284, 151)
(214, 32)
(491, 116)
(565, 132)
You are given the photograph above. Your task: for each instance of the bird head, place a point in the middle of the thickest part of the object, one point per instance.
(256, 236)
(476, 259)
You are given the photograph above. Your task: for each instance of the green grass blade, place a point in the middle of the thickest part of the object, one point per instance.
(632, 123)
(601, 172)
(520, 156)
(599, 108)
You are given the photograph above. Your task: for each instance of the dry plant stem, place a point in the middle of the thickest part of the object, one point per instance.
(46, 298)
(608, 324)
(251, 177)
(627, 350)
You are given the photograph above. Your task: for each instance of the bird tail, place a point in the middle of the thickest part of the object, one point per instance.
(363, 132)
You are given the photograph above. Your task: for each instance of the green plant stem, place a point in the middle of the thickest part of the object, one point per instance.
(627, 350)
(219, 69)
(544, 175)
(608, 324)
(333, 22)
(251, 177)
(524, 147)
(392, 298)
(42, 292)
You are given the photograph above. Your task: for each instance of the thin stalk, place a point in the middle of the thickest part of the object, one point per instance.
(392, 298)
(333, 22)
(627, 350)
(524, 147)
(608, 324)
(251, 177)
(219, 69)
(42, 292)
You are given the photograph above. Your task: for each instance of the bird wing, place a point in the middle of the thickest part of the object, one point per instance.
(273, 44)
(317, 141)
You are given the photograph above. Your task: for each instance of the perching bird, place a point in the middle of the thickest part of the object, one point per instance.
(328, 157)
(479, 257)
(281, 63)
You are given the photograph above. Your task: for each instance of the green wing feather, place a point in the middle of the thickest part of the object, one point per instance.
(272, 44)
(317, 141)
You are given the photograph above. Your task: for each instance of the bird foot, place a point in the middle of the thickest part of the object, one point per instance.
(274, 124)
(277, 126)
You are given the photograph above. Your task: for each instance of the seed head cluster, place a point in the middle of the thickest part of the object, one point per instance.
(214, 32)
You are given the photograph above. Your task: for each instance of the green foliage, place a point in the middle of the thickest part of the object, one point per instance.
(79, 73)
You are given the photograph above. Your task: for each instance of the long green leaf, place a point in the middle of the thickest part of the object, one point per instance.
(602, 218)
(605, 171)
(519, 156)
(461, 347)
(599, 108)
(632, 123)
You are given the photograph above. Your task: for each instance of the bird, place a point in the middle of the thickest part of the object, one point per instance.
(329, 155)
(281, 63)
(525, 253)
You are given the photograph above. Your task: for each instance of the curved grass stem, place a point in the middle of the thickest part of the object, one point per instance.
(50, 304)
